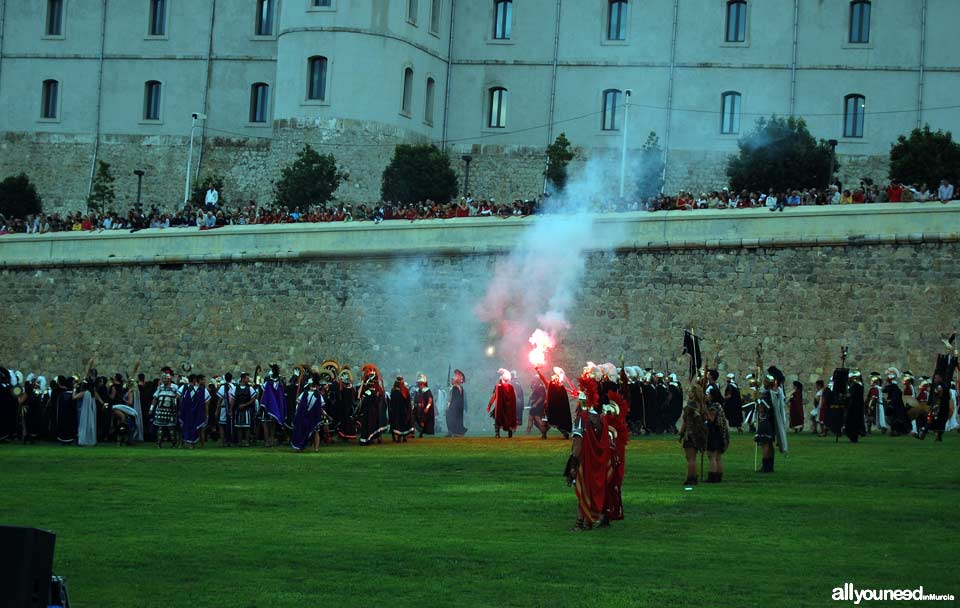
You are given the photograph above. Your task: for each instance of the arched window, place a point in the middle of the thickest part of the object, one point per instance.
(428, 102)
(264, 25)
(54, 18)
(617, 20)
(860, 22)
(406, 101)
(259, 102)
(611, 102)
(502, 16)
(736, 21)
(151, 100)
(498, 108)
(158, 18)
(317, 78)
(49, 99)
(853, 110)
(730, 112)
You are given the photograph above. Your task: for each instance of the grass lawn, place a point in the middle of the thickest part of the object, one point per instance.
(483, 522)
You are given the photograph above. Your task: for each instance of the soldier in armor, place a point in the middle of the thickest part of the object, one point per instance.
(693, 430)
(733, 403)
(771, 419)
(895, 410)
(854, 421)
(718, 437)
(164, 410)
(589, 462)
(227, 395)
(244, 406)
(502, 406)
(401, 411)
(874, 407)
(557, 406)
(371, 399)
(457, 406)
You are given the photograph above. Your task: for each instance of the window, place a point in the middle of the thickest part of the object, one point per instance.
(428, 102)
(435, 10)
(730, 113)
(48, 101)
(611, 101)
(412, 11)
(151, 100)
(736, 21)
(617, 20)
(853, 108)
(860, 22)
(317, 78)
(54, 18)
(264, 26)
(498, 108)
(406, 101)
(320, 3)
(158, 18)
(502, 16)
(259, 99)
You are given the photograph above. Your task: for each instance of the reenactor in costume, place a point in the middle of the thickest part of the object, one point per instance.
(502, 406)
(273, 405)
(588, 467)
(163, 408)
(675, 396)
(457, 406)
(837, 395)
(874, 406)
(733, 403)
(667, 421)
(538, 401)
(942, 400)
(693, 430)
(637, 416)
(854, 421)
(401, 411)
(557, 406)
(718, 436)
(244, 404)
(370, 407)
(423, 407)
(308, 418)
(895, 410)
(226, 393)
(653, 418)
(771, 419)
(750, 396)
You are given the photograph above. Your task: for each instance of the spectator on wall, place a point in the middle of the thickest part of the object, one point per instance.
(212, 198)
(945, 193)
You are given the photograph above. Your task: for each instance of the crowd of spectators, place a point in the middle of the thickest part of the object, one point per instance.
(212, 214)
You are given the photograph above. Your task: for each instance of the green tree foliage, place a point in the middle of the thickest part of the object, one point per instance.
(780, 154)
(650, 168)
(417, 173)
(559, 156)
(199, 194)
(18, 197)
(925, 157)
(102, 195)
(311, 179)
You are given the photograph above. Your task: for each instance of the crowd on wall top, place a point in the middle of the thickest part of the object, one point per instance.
(212, 214)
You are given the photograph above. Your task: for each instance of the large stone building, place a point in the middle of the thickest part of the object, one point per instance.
(82, 80)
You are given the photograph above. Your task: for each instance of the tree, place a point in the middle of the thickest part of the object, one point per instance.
(925, 157)
(311, 179)
(782, 155)
(102, 194)
(418, 172)
(559, 156)
(199, 194)
(649, 171)
(18, 197)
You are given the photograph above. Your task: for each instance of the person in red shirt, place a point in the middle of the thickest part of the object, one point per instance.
(894, 192)
(858, 196)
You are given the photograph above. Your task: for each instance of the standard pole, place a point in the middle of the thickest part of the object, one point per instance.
(186, 183)
(623, 144)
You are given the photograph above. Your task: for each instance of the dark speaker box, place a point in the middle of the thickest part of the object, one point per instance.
(26, 564)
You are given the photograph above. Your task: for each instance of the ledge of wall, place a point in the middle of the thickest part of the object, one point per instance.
(849, 225)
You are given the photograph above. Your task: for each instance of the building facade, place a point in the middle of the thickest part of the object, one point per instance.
(495, 80)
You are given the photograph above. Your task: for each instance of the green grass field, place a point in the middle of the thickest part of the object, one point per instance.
(484, 522)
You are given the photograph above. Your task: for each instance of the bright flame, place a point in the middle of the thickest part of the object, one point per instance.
(542, 342)
(490, 351)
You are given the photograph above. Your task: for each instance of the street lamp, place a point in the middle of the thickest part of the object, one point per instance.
(186, 186)
(466, 173)
(139, 174)
(623, 146)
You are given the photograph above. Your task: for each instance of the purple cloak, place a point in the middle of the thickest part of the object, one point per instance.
(193, 413)
(307, 420)
(274, 402)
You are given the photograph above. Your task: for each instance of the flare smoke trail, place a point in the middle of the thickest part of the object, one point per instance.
(537, 285)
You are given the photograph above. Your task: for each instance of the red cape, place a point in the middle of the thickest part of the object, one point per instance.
(591, 487)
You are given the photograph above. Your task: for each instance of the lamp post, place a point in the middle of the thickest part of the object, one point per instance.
(466, 173)
(139, 174)
(186, 185)
(833, 160)
(623, 144)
